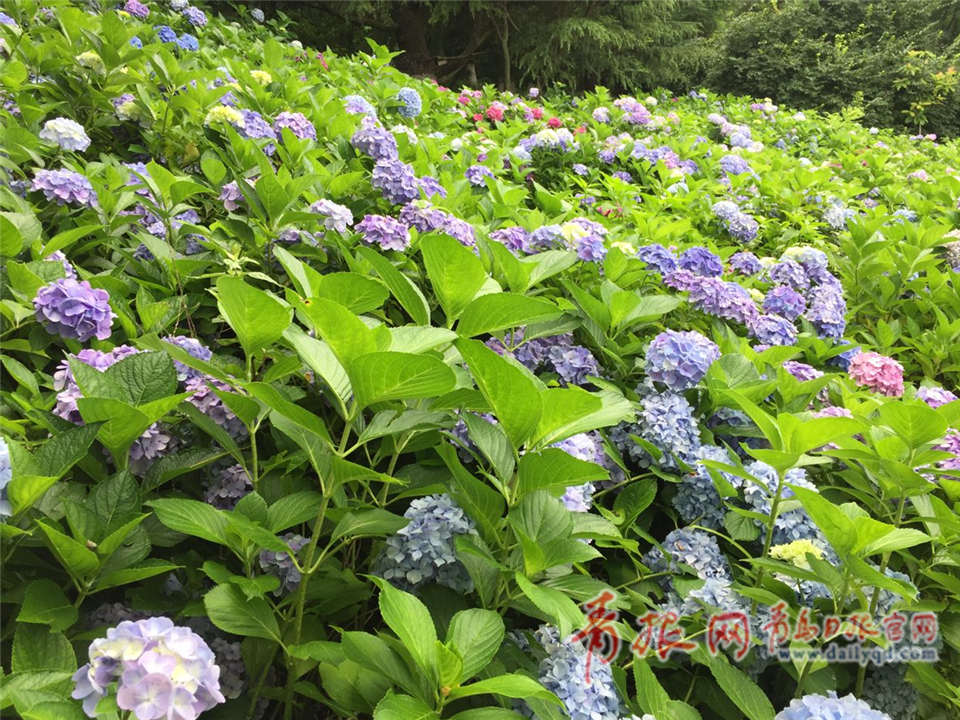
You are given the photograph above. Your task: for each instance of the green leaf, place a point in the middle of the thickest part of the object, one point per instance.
(411, 621)
(65, 449)
(915, 424)
(454, 271)
(837, 527)
(74, 556)
(498, 311)
(402, 287)
(382, 376)
(323, 361)
(511, 685)
(555, 605)
(354, 291)
(367, 523)
(511, 393)
(304, 421)
(476, 636)
(345, 333)
(24, 490)
(737, 686)
(142, 378)
(230, 610)
(403, 707)
(293, 509)
(492, 441)
(45, 604)
(552, 469)
(487, 713)
(258, 318)
(479, 501)
(192, 517)
(376, 654)
(38, 648)
(19, 372)
(572, 410)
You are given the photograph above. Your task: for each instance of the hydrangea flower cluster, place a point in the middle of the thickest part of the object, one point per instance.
(680, 360)
(157, 668)
(573, 363)
(373, 140)
(420, 215)
(73, 309)
(476, 175)
(887, 690)
(357, 105)
(701, 261)
(280, 564)
(206, 401)
(423, 551)
(877, 372)
(791, 525)
(784, 301)
(66, 187)
(739, 224)
(336, 217)
(195, 348)
(396, 180)
(297, 123)
(66, 133)
(586, 237)
(195, 16)
(667, 423)
(6, 475)
(697, 499)
(658, 258)
(410, 102)
(228, 487)
(686, 546)
(829, 707)
(935, 396)
(563, 672)
(385, 231)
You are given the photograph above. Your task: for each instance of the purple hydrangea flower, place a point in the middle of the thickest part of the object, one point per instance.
(515, 238)
(679, 360)
(826, 311)
(734, 165)
(195, 348)
(154, 443)
(581, 169)
(544, 238)
(336, 217)
(424, 551)
(801, 371)
(255, 127)
(6, 475)
(371, 139)
(66, 133)
(65, 186)
(160, 670)
(280, 564)
(72, 309)
(396, 180)
(298, 124)
(658, 258)
(622, 175)
(701, 261)
(430, 186)
(573, 363)
(666, 422)
(725, 209)
(743, 228)
(207, 402)
(784, 301)
(935, 396)
(773, 330)
(745, 263)
(387, 232)
(424, 218)
(136, 8)
(410, 102)
(726, 300)
(564, 671)
(195, 16)
(231, 196)
(476, 174)
(356, 105)
(829, 707)
(69, 391)
(789, 272)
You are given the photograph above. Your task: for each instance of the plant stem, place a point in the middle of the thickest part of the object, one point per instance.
(774, 508)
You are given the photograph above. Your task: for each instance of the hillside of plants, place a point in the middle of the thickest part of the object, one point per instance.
(331, 392)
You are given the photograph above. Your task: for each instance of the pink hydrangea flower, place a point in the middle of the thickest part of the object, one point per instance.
(877, 372)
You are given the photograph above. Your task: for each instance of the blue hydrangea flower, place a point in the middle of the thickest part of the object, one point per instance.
(715, 593)
(385, 231)
(396, 180)
(679, 360)
(658, 258)
(836, 215)
(476, 174)
(686, 546)
(745, 263)
(665, 422)
(887, 690)
(774, 330)
(65, 187)
(410, 103)
(188, 42)
(357, 105)
(697, 499)
(257, 15)
(734, 165)
(195, 16)
(564, 671)
(157, 668)
(136, 42)
(791, 273)
(371, 139)
(701, 261)
(73, 309)
(791, 525)
(424, 551)
(165, 33)
(725, 209)
(829, 707)
(581, 169)
(743, 228)
(785, 302)
(227, 488)
(827, 310)
(280, 564)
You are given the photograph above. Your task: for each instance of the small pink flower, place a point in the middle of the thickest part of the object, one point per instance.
(477, 117)
(537, 113)
(554, 122)
(464, 100)
(877, 372)
(495, 112)
(580, 130)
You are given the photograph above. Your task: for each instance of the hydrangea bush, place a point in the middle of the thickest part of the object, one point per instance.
(332, 392)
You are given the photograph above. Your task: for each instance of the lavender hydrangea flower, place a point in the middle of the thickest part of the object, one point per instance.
(773, 330)
(622, 175)
(158, 669)
(743, 228)
(697, 499)
(686, 546)
(564, 671)
(573, 363)
(791, 273)
(231, 196)
(801, 371)
(418, 214)
(658, 258)
(667, 423)
(679, 360)
(336, 217)
(826, 311)
(151, 445)
(581, 169)
(701, 261)
(725, 209)
(68, 269)
(66, 133)
(387, 232)
(257, 15)
(515, 238)
(356, 105)
(410, 102)
(297, 123)
(280, 564)
(206, 401)
(371, 139)
(829, 707)
(836, 215)
(430, 186)
(935, 396)
(195, 16)
(6, 475)
(785, 302)
(734, 165)
(713, 296)
(188, 42)
(195, 348)
(476, 174)
(65, 186)
(745, 263)
(136, 8)
(255, 127)
(423, 551)
(396, 180)
(73, 309)
(791, 525)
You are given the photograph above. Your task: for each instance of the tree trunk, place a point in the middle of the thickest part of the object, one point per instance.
(412, 26)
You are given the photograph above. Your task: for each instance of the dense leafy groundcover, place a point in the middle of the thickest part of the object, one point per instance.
(329, 392)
